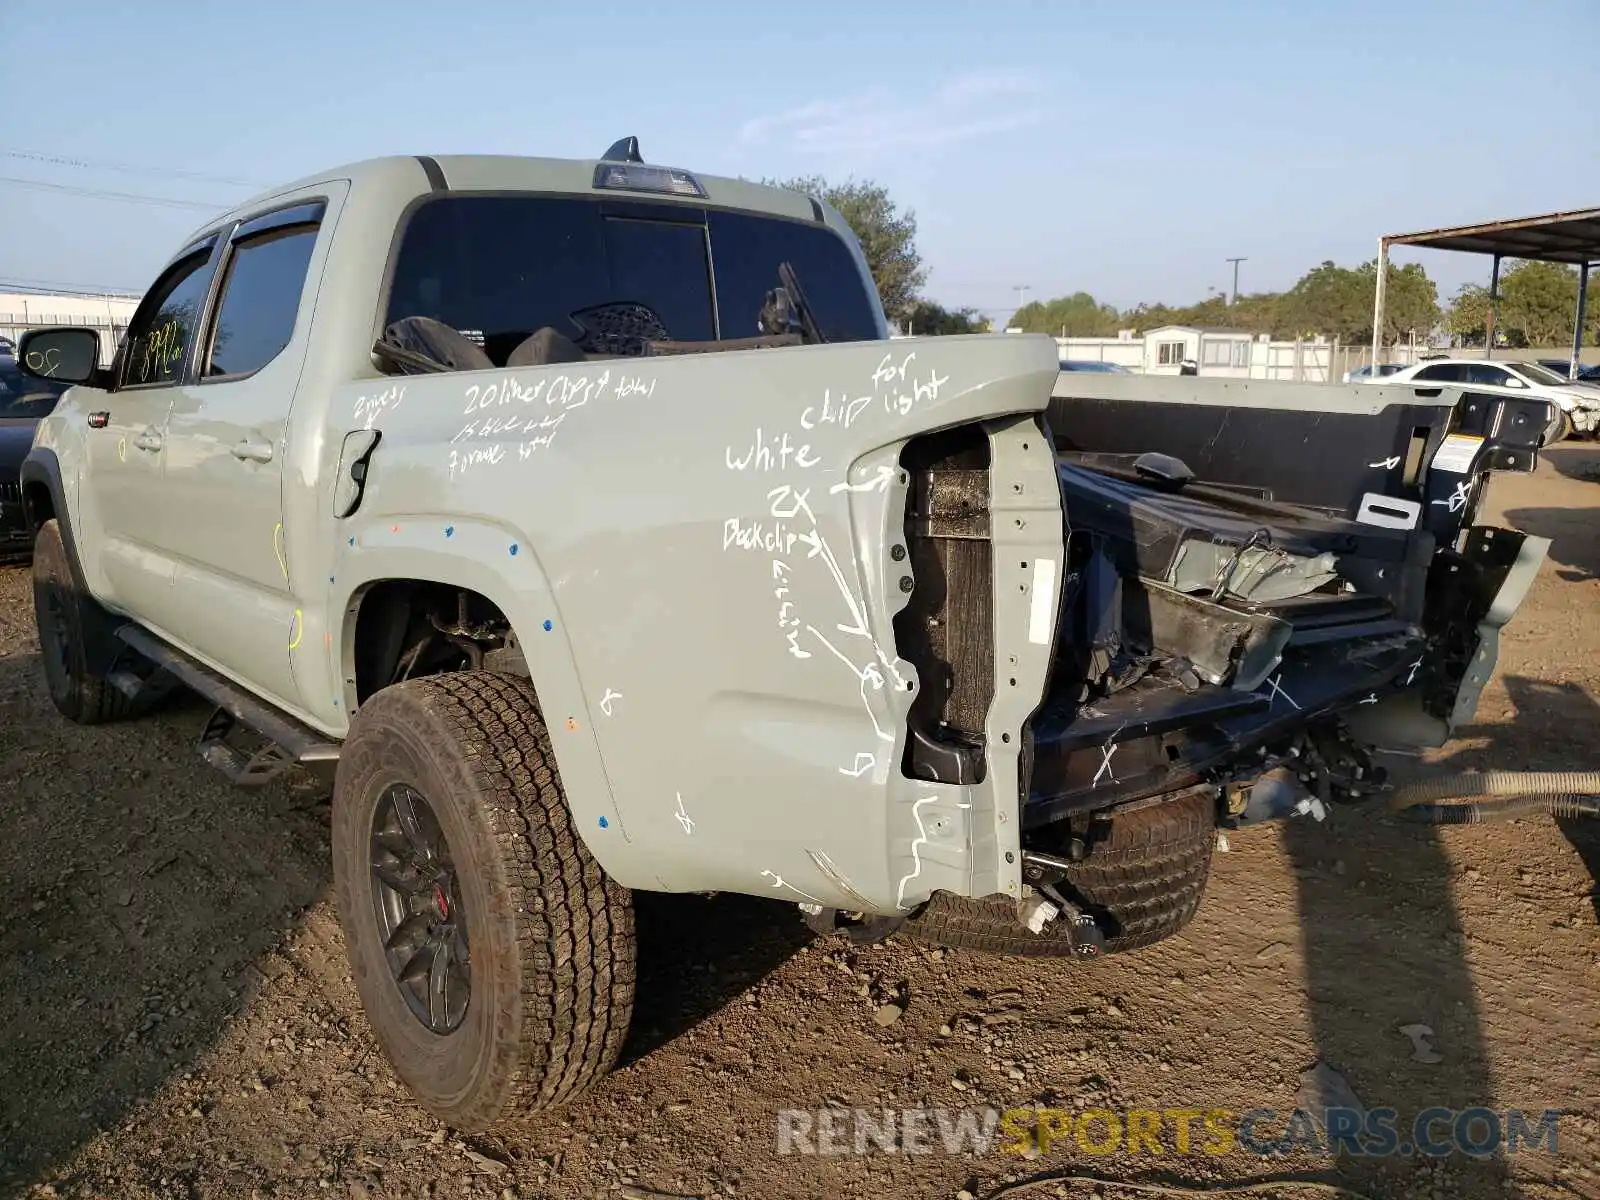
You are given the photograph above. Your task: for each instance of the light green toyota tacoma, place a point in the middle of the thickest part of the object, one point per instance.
(582, 520)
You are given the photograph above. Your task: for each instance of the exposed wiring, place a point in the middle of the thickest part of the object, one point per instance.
(1315, 1186)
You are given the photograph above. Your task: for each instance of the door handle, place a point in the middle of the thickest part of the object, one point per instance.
(248, 451)
(148, 439)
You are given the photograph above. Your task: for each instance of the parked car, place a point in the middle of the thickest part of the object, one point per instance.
(1094, 364)
(1587, 372)
(1577, 406)
(1363, 374)
(24, 401)
(583, 520)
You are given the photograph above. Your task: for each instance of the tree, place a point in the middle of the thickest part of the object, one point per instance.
(1411, 301)
(1468, 318)
(888, 236)
(1538, 301)
(1336, 301)
(927, 317)
(1077, 315)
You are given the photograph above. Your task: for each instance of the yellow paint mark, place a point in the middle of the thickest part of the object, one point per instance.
(277, 548)
(122, 449)
(297, 629)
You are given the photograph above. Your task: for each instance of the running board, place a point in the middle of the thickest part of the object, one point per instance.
(287, 743)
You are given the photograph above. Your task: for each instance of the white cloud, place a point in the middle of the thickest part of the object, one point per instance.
(971, 105)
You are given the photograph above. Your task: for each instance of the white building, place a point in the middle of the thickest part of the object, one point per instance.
(1229, 353)
(109, 314)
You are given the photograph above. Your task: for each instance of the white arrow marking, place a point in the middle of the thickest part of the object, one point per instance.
(878, 483)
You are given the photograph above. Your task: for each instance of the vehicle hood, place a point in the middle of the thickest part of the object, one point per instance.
(16, 439)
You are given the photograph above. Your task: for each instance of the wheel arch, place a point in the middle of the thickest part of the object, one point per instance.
(533, 620)
(44, 499)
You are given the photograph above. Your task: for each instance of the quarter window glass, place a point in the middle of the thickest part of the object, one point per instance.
(260, 299)
(747, 250)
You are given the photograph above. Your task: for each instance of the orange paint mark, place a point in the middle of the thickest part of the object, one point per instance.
(394, 529)
(572, 723)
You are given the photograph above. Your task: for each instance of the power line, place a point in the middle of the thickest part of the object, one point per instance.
(58, 287)
(127, 197)
(130, 168)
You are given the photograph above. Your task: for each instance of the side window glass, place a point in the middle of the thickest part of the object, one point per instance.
(161, 335)
(260, 300)
(1441, 374)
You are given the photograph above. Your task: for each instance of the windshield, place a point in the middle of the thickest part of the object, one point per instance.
(1539, 374)
(23, 396)
(498, 268)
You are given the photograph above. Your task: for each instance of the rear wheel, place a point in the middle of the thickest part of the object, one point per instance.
(66, 619)
(494, 959)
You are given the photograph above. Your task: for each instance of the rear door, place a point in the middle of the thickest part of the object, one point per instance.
(233, 604)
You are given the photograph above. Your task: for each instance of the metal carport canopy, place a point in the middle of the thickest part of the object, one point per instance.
(1562, 237)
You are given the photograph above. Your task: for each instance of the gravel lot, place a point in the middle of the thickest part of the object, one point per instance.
(179, 1020)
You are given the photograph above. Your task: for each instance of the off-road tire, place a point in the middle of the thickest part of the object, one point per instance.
(1142, 883)
(66, 618)
(552, 951)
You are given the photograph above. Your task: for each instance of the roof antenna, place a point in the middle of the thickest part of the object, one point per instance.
(623, 150)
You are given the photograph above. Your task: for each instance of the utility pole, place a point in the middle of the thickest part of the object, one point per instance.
(1235, 262)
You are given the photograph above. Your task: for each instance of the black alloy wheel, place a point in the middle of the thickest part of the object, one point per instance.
(422, 921)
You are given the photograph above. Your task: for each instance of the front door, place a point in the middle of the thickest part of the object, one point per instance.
(127, 449)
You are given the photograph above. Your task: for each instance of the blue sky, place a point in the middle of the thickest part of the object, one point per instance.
(1123, 149)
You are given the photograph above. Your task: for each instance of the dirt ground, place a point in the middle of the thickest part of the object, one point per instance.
(178, 1019)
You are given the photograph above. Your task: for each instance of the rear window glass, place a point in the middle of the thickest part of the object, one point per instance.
(498, 268)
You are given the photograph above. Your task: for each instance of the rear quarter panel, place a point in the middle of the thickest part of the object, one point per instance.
(693, 552)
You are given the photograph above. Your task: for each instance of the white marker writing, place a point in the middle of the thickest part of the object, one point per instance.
(833, 412)
(771, 454)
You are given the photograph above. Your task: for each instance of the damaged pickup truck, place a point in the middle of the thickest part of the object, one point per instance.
(582, 520)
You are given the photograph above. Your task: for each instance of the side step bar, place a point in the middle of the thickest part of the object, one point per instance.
(288, 743)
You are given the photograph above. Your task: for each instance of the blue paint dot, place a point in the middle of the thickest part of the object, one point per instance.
(513, 549)
(548, 626)
(449, 531)
(352, 541)
(604, 823)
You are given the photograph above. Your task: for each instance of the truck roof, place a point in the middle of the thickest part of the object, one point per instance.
(523, 173)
